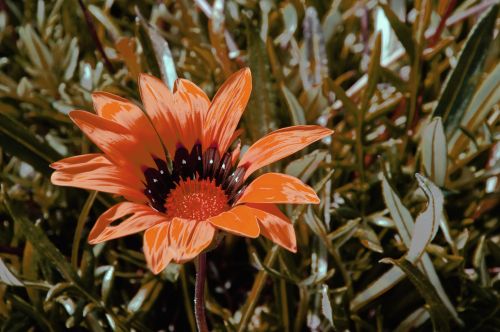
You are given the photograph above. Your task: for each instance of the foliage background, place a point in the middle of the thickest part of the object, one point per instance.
(408, 87)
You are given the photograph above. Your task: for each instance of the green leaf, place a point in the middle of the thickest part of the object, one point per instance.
(326, 305)
(483, 101)
(106, 20)
(403, 31)
(385, 282)
(434, 151)
(368, 238)
(373, 75)
(107, 283)
(57, 289)
(413, 320)
(145, 296)
(341, 234)
(405, 226)
(79, 227)
(304, 167)
(463, 79)
(32, 312)
(296, 110)
(19, 141)
(340, 94)
(40, 241)
(38, 52)
(399, 213)
(439, 314)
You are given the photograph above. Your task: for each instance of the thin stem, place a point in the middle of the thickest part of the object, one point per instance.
(79, 228)
(199, 294)
(258, 285)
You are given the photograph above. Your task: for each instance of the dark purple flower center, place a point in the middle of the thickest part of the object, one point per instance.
(194, 165)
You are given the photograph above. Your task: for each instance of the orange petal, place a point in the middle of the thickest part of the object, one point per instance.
(116, 141)
(275, 225)
(189, 98)
(278, 188)
(160, 105)
(240, 220)
(178, 240)
(158, 254)
(235, 155)
(130, 116)
(141, 217)
(226, 110)
(96, 172)
(280, 144)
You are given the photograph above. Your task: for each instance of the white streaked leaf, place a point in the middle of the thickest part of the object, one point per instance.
(162, 53)
(404, 225)
(486, 96)
(427, 223)
(399, 213)
(8, 277)
(377, 288)
(414, 320)
(326, 306)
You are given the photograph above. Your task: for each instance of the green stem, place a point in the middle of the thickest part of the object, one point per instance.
(79, 228)
(258, 284)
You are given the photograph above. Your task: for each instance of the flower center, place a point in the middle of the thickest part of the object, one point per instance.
(199, 184)
(196, 199)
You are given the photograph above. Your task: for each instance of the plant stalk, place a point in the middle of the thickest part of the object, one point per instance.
(199, 294)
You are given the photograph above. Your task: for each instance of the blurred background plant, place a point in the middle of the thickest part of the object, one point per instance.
(407, 86)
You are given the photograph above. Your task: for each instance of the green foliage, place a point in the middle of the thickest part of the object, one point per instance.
(407, 90)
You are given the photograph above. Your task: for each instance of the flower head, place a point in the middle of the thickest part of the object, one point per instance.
(173, 165)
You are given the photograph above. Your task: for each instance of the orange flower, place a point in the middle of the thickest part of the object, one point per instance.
(181, 202)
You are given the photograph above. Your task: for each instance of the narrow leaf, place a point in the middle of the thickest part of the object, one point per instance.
(162, 52)
(385, 282)
(305, 166)
(296, 110)
(483, 101)
(403, 32)
(434, 151)
(326, 306)
(40, 241)
(8, 277)
(427, 223)
(399, 212)
(19, 141)
(340, 94)
(462, 80)
(439, 314)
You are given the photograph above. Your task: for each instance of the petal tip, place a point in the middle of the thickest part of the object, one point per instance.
(143, 76)
(75, 115)
(246, 73)
(315, 199)
(55, 165)
(93, 240)
(157, 269)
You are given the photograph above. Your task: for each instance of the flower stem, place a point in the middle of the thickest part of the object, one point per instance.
(199, 294)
